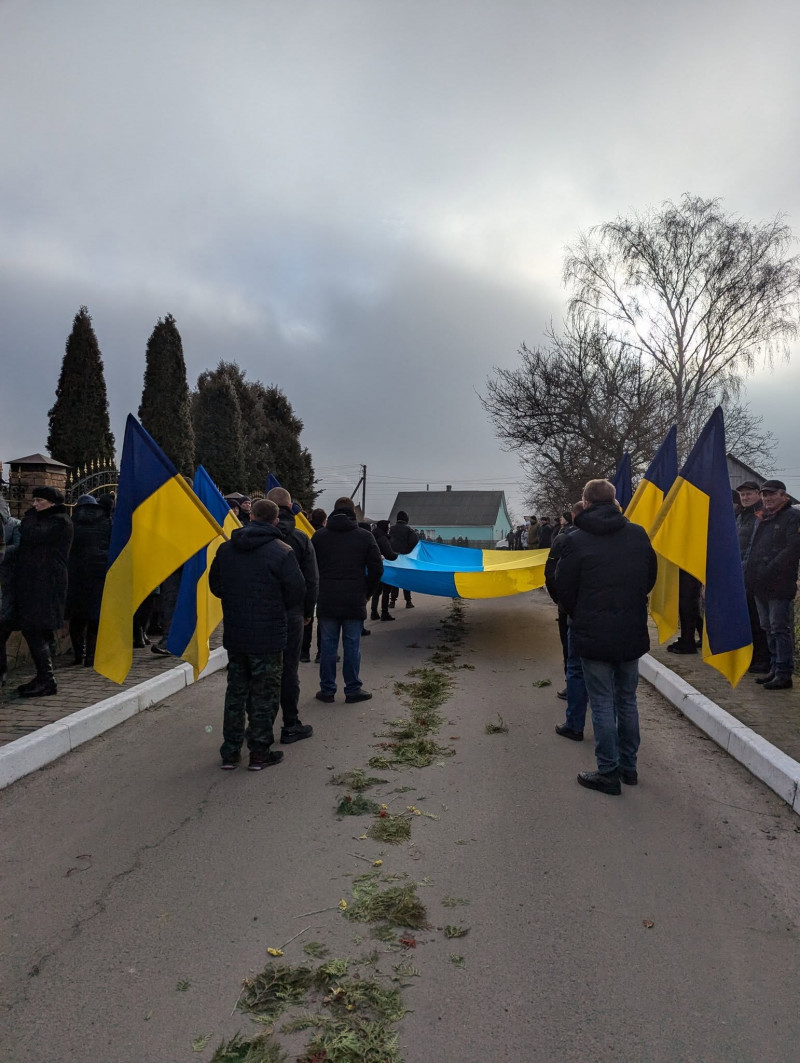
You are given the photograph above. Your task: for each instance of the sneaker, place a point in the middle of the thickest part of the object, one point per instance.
(259, 761)
(567, 732)
(327, 698)
(780, 682)
(305, 658)
(388, 616)
(231, 763)
(607, 782)
(365, 631)
(296, 733)
(562, 694)
(362, 695)
(630, 776)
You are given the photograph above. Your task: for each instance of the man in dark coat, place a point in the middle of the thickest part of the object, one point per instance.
(88, 560)
(403, 540)
(750, 508)
(384, 591)
(9, 545)
(771, 577)
(606, 571)
(41, 582)
(296, 620)
(259, 581)
(574, 692)
(350, 569)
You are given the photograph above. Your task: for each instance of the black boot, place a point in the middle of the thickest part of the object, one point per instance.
(44, 684)
(41, 687)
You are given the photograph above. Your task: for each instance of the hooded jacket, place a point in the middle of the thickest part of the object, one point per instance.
(606, 570)
(41, 568)
(771, 567)
(402, 537)
(350, 567)
(258, 578)
(306, 558)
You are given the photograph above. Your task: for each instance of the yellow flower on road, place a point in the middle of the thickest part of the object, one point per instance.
(275, 952)
(342, 904)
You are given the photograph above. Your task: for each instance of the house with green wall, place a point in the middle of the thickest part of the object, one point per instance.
(480, 517)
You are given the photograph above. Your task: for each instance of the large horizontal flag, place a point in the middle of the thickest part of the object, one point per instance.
(696, 530)
(159, 523)
(300, 520)
(623, 484)
(464, 572)
(198, 612)
(643, 509)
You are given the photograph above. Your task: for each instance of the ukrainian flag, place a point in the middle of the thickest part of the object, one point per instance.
(198, 612)
(159, 523)
(464, 572)
(643, 509)
(623, 484)
(696, 530)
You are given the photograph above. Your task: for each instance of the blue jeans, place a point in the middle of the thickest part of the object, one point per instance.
(577, 699)
(329, 631)
(611, 686)
(777, 619)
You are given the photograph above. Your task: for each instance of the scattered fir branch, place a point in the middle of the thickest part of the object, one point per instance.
(454, 902)
(259, 1049)
(451, 931)
(356, 806)
(356, 780)
(501, 727)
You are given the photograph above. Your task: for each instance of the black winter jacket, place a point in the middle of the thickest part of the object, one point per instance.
(41, 568)
(402, 537)
(306, 558)
(771, 569)
(554, 557)
(259, 581)
(350, 567)
(606, 570)
(88, 558)
(745, 526)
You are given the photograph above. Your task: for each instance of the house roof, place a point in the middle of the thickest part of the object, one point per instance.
(445, 509)
(39, 459)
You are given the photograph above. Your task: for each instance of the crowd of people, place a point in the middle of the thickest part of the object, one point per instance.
(537, 533)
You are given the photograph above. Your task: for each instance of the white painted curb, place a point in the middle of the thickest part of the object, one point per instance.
(34, 751)
(780, 772)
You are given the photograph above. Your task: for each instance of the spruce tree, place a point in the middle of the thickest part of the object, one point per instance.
(291, 463)
(255, 434)
(165, 410)
(218, 431)
(80, 430)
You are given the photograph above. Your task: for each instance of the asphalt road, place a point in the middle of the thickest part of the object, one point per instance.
(134, 865)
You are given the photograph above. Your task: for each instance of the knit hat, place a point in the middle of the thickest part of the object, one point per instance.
(86, 500)
(402, 515)
(49, 494)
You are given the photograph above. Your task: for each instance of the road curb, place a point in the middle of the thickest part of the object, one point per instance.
(34, 751)
(780, 772)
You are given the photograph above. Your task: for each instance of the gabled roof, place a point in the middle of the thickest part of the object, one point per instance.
(445, 509)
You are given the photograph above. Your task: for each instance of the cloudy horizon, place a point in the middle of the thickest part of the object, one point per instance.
(366, 204)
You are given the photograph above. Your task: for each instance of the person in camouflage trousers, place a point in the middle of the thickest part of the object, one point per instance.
(258, 578)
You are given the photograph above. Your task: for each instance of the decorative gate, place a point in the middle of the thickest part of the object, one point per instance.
(95, 478)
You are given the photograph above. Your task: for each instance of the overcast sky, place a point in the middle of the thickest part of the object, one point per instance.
(365, 202)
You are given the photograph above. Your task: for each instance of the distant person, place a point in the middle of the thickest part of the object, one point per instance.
(316, 519)
(545, 533)
(403, 540)
(9, 545)
(88, 560)
(574, 692)
(771, 577)
(384, 592)
(350, 569)
(245, 506)
(606, 570)
(257, 576)
(750, 509)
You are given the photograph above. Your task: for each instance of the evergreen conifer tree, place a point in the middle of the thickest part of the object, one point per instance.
(165, 410)
(80, 430)
(291, 463)
(218, 431)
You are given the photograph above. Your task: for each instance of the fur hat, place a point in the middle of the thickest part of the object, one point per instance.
(49, 494)
(86, 500)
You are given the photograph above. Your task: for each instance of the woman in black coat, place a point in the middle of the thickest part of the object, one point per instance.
(87, 575)
(41, 581)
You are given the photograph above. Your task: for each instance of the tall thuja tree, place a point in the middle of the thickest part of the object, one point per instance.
(255, 430)
(218, 430)
(290, 462)
(165, 410)
(80, 430)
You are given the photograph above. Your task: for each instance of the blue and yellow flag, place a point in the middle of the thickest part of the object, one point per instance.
(464, 572)
(159, 523)
(198, 613)
(696, 530)
(623, 483)
(644, 507)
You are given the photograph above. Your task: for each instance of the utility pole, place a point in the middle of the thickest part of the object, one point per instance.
(362, 483)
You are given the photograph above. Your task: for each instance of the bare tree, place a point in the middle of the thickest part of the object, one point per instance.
(574, 406)
(692, 290)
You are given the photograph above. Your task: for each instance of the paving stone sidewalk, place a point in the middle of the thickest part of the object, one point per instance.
(78, 688)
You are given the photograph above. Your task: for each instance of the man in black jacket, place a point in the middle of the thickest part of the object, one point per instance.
(607, 569)
(771, 576)
(403, 539)
(746, 523)
(258, 578)
(293, 730)
(350, 569)
(574, 692)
